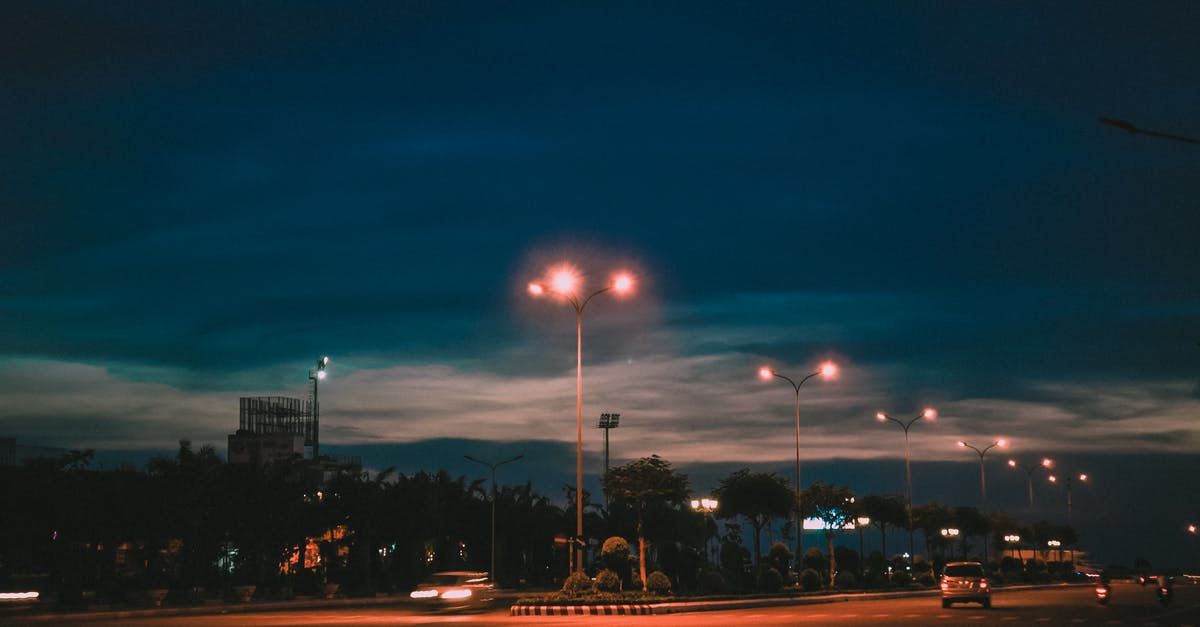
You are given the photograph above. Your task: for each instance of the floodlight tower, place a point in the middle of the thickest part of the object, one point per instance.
(315, 375)
(608, 421)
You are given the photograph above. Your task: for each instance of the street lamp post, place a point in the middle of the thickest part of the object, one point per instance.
(983, 480)
(1055, 544)
(315, 375)
(1067, 481)
(563, 282)
(1015, 539)
(949, 535)
(828, 371)
(860, 522)
(928, 414)
(707, 507)
(1192, 531)
(1029, 470)
(493, 467)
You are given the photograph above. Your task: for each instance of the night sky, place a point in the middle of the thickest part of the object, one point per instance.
(201, 199)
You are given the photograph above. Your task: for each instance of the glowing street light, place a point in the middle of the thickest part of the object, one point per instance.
(1029, 470)
(928, 414)
(982, 477)
(315, 375)
(860, 522)
(1013, 538)
(827, 371)
(1067, 481)
(492, 572)
(708, 506)
(563, 281)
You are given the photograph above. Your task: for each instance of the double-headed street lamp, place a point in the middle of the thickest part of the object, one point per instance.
(564, 282)
(707, 506)
(1067, 481)
(928, 414)
(492, 572)
(315, 375)
(983, 477)
(827, 371)
(1029, 470)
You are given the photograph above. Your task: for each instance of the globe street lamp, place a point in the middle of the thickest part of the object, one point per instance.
(949, 535)
(928, 414)
(707, 507)
(827, 371)
(1015, 539)
(861, 521)
(492, 572)
(315, 375)
(1029, 470)
(563, 282)
(1067, 481)
(1055, 544)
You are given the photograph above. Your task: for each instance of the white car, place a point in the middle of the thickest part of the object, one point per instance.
(454, 590)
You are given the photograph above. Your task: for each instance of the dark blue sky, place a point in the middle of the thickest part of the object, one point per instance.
(199, 200)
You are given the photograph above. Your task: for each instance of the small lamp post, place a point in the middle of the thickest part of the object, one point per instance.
(950, 534)
(859, 523)
(493, 467)
(1015, 539)
(928, 414)
(1029, 470)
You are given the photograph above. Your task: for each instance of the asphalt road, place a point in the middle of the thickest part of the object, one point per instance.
(1131, 605)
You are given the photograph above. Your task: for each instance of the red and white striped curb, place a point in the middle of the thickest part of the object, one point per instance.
(579, 610)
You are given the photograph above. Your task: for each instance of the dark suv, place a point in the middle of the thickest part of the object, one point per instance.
(965, 581)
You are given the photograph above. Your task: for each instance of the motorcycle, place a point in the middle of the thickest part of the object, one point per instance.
(1103, 594)
(1166, 594)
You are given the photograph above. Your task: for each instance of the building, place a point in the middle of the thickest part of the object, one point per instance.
(271, 428)
(12, 454)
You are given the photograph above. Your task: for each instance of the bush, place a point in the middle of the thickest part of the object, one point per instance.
(925, 579)
(657, 582)
(875, 579)
(769, 579)
(608, 581)
(845, 579)
(814, 559)
(711, 582)
(577, 584)
(901, 579)
(780, 556)
(810, 580)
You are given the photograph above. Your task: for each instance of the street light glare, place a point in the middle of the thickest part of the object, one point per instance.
(1002, 443)
(622, 283)
(881, 416)
(929, 413)
(1012, 462)
(1082, 477)
(765, 372)
(961, 443)
(321, 374)
(563, 280)
(537, 289)
(1053, 479)
(829, 370)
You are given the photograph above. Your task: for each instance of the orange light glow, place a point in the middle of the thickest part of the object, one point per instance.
(1002, 443)
(829, 370)
(1053, 479)
(929, 413)
(1191, 528)
(622, 283)
(1082, 477)
(881, 416)
(537, 289)
(563, 280)
(1047, 463)
(1012, 462)
(766, 372)
(961, 443)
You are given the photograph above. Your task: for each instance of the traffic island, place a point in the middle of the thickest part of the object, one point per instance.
(581, 610)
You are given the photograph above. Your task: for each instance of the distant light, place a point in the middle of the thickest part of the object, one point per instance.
(537, 289)
(766, 372)
(1082, 477)
(321, 374)
(1053, 479)
(1002, 443)
(324, 362)
(829, 370)
(961, 443)
(881, 416)
(864, 520)
(1012, 462)
(1047, 462)
(1191, 528)
(929, 413)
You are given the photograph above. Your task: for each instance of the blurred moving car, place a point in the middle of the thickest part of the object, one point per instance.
(965, 581)
(454, 590)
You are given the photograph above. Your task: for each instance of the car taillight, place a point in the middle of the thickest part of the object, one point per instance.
(945, 586)
(983, 584)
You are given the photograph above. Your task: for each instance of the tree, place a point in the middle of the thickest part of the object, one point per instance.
(884, 510)
(647, 486)
(931, 519)
(760, 497)
(832, 505)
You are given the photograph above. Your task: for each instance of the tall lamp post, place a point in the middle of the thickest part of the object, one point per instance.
(315, 375)
(493, 467)
(607, 422)
(983, 480)
(827, 371)
(1029, 470)
(1067, 482)
(928, 414)
(563, 282)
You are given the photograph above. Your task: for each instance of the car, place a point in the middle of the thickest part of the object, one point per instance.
(965, 581)
(458, 589)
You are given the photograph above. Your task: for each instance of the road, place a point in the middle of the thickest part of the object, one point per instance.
(1131, 605)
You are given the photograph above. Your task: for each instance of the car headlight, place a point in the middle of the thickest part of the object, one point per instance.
(462, 593)
(423, 594)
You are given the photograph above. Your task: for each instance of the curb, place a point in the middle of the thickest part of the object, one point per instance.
(580, 610)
